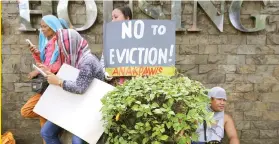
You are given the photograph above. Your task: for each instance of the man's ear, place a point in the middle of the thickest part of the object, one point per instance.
(211, 99)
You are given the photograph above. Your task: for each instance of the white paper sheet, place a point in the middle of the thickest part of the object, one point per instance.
(78, 114)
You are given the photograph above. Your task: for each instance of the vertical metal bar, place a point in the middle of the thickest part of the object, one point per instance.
(176, 14)
(194, 26)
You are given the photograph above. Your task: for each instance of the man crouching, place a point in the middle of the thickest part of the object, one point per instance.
(223, 122)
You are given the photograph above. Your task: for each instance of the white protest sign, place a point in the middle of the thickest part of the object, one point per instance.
(78, 114)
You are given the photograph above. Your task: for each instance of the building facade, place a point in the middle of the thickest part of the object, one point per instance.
(246, 64)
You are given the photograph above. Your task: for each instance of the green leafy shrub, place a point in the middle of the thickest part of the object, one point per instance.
(156, 109)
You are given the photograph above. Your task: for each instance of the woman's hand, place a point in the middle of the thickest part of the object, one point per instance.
(43, 67)
(53, 79)
(108, 77)
(34, 50)
(33, 74)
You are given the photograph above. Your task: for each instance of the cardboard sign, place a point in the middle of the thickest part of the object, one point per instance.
(140, 47)
(78, 114)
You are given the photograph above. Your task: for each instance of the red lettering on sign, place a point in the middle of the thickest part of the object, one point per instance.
(160, 69)
(128, 72)
(141, 69)
(137, 71)
(153, 71)
(122, 71)
(115, 72)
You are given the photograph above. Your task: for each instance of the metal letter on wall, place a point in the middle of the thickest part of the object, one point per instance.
(107, 9)
(216, 17)
(25, 12)
(148, 9)
(176, 14)
(157, 12)
(91, 13)
(234, 14)
(131, 5)
(24, 16)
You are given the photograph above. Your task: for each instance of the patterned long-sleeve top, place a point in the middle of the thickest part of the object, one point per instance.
(90, 68)
(102, 61)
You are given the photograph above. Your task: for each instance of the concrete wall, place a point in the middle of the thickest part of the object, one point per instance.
(245, 64)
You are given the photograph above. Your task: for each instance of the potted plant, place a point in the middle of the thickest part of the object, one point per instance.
(154, 110)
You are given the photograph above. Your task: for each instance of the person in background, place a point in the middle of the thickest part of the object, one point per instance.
(47, 54)
(74, 50)
(223, 122)
(118, 14)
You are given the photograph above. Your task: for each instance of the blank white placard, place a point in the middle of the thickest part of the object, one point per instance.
(78, 114)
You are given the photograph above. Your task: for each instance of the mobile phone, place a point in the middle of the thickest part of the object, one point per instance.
(40, 70)
(29, 42)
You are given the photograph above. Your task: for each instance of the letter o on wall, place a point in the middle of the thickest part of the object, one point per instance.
(91, 13)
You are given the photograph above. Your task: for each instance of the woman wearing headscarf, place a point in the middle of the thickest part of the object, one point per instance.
(74, 51)
(48, 55)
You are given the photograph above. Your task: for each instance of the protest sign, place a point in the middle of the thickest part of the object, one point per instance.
(139, 47)
(78, 114)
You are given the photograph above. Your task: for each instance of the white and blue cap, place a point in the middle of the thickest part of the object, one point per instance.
(217, 92)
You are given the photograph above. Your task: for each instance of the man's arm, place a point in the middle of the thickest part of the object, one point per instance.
(231, 130)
